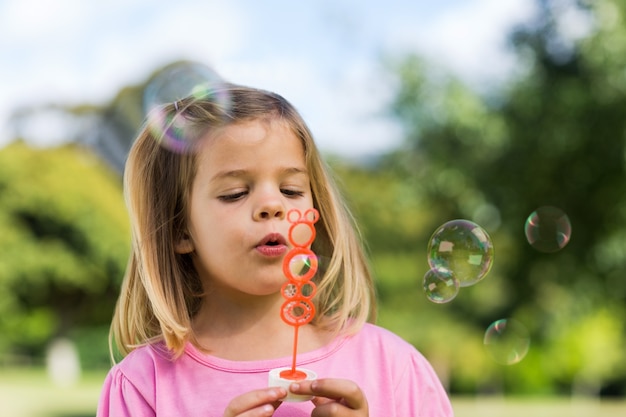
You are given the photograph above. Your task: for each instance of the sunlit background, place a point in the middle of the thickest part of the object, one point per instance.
(327, 57)
(507, 116)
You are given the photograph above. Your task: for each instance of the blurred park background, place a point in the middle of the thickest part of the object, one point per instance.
(550, 133)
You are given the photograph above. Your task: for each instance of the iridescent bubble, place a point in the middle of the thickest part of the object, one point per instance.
(181, 80)
(548, 229)
(440, 285)
(463, 248)
(302, 265)
(170, 91)
(171, 130)
(507, 340)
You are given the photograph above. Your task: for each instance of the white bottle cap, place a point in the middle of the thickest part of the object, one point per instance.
(275, 380)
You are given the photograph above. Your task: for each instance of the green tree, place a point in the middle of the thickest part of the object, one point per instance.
(64, 244)
(554, 136)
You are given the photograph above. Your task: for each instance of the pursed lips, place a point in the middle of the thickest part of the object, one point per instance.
(273, 244)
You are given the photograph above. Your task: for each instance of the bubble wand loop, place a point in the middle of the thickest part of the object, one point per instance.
(299, 266)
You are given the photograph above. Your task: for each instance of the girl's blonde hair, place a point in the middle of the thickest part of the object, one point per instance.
(161, 291)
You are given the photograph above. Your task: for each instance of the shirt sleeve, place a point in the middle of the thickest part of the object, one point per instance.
(120, 398)
(419, 392)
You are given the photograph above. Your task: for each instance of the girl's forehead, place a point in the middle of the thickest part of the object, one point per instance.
(248, 131)
(252, 143)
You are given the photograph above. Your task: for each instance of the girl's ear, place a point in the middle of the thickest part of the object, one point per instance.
(184, 244)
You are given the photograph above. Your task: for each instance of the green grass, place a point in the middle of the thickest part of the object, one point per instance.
(29, 393)
(536, 407)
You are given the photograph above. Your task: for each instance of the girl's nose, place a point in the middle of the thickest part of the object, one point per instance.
(272, 208)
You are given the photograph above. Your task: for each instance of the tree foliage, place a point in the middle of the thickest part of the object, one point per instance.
(555, 136)
(64, 243)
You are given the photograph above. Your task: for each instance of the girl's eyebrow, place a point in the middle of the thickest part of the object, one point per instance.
(235, 173)
(294, 171)
(238, 173)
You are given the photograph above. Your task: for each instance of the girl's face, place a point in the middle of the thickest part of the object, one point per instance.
(249, 176)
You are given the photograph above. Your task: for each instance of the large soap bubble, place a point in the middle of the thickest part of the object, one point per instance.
(464, 249)
(182, 80)
(167, 94)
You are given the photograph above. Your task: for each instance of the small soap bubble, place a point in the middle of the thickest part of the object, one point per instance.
(548, 229)
(507, 340)
(168, 92)
(440, 285)
(464, 249)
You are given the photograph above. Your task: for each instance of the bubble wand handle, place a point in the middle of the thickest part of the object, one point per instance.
(299, 266)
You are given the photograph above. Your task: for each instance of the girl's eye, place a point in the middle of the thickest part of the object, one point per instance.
(232, 197)
(292, 193)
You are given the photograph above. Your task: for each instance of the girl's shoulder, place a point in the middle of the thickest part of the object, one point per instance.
(144, 360)
(133, 379)
(372, 333)
(375, 341)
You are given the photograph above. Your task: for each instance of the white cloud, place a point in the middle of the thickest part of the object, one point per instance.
(70, 51)
(345, 112)
(75, 51)
(354, 122)
(469, 39)
(34, 21)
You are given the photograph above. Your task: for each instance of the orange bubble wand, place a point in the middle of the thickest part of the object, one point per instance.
(299, 266)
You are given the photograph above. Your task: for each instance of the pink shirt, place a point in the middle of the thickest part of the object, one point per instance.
(396, 379)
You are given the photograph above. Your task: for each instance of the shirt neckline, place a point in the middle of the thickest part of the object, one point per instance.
(264, 365)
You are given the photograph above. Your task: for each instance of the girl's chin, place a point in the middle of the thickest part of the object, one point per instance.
(273, 292)
(271, 289)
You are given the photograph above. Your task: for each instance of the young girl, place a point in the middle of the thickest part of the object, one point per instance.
(198, 318)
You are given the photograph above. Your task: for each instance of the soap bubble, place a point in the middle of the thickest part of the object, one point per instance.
(302, 264)
(440, 285)
(548, 229)
(463, 248)
(507, 340)
(168, 92)
(182, 80)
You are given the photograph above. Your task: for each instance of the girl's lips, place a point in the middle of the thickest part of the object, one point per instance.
(273, 244)
(271, 250)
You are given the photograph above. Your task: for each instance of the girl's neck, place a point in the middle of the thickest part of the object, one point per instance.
(250, 331)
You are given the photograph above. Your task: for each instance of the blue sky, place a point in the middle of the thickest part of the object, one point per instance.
(324, 56)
